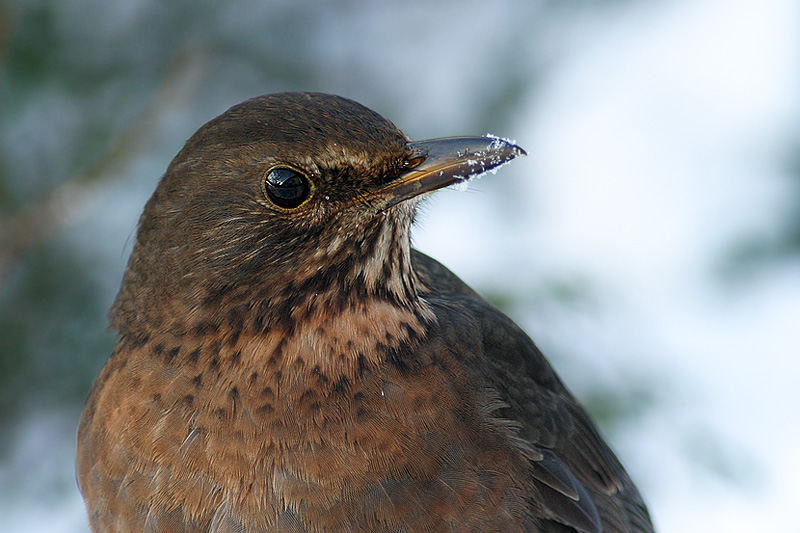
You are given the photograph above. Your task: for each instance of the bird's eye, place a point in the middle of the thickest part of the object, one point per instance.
(286, 187)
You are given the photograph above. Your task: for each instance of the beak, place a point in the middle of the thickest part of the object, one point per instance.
(438, 163)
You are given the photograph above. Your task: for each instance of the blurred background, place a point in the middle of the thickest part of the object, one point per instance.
(650, 243)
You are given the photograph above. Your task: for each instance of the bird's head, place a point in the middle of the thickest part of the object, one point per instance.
(286, 195)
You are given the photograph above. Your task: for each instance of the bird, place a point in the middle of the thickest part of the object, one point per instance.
(287, 362)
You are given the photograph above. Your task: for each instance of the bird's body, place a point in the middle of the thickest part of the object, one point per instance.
(287, 363)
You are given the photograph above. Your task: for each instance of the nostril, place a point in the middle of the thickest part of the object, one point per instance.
(413, 162)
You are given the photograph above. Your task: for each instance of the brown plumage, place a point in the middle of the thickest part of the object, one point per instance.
(287, 363)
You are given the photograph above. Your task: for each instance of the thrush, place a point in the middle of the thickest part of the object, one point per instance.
(287, 362)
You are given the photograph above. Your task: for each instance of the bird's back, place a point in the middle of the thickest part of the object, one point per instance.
(573, 478)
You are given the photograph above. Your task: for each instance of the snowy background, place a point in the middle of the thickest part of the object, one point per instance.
(649, 243)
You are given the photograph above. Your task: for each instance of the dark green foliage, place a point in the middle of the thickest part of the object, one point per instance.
(52, 332)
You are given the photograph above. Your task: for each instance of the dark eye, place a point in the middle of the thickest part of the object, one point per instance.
(286, 187)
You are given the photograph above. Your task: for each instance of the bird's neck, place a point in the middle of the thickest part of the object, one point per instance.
(346, 304)
(353, 305)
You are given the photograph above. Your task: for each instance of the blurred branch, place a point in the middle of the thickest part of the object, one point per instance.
(71, 201)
